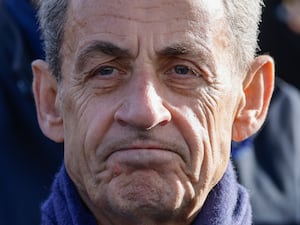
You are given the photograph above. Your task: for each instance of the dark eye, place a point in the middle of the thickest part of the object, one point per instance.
(106, 70)
(182, 70)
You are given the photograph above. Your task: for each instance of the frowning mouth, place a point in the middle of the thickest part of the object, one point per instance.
(143, 157)
(145, 150)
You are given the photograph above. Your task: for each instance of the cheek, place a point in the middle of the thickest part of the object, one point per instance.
(206, 127)
(86, 121)
(218, 114)
(188, 121)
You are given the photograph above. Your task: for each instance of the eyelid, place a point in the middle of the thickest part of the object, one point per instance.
(197, 74)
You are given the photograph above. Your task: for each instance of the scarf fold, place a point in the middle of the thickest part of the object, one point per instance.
(64, 206)
(227, 204)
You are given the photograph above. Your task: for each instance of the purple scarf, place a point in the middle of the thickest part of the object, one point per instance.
(227, 204)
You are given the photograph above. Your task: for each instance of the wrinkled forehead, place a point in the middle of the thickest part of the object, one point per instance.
(146, 11)
(146, 27)
(153, 17)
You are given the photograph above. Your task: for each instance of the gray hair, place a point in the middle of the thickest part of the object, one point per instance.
(243, 17)
(52, 16)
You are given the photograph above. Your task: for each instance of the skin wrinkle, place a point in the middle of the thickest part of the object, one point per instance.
(175, 50)
(99, 47)
(193, 171)
(76, 96)
(133, 197)
(208, 146)
(209, 101)
(198, 43)
(150, 8)
(185, 114)
(102, 167)
(80, 24)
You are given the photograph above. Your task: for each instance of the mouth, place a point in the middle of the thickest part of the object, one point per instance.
(145, 152)
(143, 158)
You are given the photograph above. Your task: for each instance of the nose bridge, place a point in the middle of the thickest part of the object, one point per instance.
(147, 96)
(144, 105)
(147, 90)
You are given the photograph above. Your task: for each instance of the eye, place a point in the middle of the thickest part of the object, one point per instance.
(183, 70)
(106, 71)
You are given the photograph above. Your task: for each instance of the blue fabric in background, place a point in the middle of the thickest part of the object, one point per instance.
(25, 16)
(28, 159)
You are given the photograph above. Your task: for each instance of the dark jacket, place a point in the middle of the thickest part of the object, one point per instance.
(28, 160)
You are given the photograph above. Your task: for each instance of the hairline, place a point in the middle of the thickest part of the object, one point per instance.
(242, 61)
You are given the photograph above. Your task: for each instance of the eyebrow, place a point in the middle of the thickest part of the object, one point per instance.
(100, 47)
(174, 50)
(198, 52)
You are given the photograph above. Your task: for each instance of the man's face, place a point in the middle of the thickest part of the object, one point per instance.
(148, 100)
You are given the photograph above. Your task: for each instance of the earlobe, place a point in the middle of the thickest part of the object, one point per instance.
(257, 92)
(45, 89)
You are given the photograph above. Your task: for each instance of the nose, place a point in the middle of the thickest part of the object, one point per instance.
(143, 107)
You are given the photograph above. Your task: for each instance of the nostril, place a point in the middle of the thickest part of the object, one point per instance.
(122, 123)
(142, 119)
(165, 122)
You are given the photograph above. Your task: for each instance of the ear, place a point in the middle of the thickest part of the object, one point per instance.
(45, 89)
(257, 92)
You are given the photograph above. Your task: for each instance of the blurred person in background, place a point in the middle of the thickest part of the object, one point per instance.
(28, 160)
(268, 163)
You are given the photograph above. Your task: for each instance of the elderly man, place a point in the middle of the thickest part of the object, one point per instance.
(147, 96)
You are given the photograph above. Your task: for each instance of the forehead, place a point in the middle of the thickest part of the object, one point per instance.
(125, 7)
(113, 14)
(135, 23)
(139, 8)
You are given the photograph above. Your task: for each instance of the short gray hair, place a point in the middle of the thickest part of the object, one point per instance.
(243, 17)
(52, 16)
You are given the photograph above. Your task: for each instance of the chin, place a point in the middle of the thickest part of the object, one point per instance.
(145, 198)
